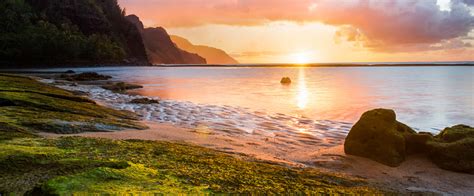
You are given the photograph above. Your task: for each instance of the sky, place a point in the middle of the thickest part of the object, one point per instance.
(319, 31)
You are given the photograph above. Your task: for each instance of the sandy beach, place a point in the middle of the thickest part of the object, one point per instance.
(276, 138)
(417, 173)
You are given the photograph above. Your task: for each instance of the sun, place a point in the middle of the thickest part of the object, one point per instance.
(301, 58)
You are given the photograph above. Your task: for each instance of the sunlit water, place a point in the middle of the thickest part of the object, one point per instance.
(426, 98)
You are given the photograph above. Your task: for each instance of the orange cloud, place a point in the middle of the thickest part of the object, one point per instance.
(379, 25)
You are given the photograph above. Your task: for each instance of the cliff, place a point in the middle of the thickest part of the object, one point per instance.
(160, 48)
(68, 31)
(212, 55)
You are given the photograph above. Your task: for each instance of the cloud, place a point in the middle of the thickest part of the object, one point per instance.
(379, 25)
(392, 25)
(469, 2)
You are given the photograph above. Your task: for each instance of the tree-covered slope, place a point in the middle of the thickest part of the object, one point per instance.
(67, 31)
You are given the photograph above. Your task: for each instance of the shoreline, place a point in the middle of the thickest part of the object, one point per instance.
(364, 64)
(417, 174)
(5, 68)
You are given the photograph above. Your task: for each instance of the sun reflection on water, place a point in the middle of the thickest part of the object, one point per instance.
(302, 93)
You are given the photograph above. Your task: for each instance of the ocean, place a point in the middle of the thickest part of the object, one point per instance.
(427, 98)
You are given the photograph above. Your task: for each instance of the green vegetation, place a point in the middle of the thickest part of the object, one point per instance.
(54, 31)
(30, 164)
(28, 106)
(75, 164)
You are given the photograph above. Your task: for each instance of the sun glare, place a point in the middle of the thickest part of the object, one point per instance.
(301, 58)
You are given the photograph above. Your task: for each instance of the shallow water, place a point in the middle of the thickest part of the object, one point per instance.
(426, 98)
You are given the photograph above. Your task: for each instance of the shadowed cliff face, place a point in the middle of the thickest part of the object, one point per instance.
(212, 55)
(160, 48)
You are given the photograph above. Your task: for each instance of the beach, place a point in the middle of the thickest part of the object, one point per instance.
(213, 97)
(416, 174)
(322, 149)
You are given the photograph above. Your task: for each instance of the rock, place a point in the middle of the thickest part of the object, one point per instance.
(86, 76)
(80, 93)
(144, 101)
(453, 149)
(285, 80)
(70, 72)
(417, 143)
(380, 137)
(121, 86)
(456, 133)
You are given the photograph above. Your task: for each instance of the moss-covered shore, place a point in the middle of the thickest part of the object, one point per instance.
(34, 165)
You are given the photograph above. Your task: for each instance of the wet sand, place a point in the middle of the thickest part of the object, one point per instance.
(416, 174)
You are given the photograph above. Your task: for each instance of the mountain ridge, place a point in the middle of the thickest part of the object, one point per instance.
(211, 54)
(160, 48)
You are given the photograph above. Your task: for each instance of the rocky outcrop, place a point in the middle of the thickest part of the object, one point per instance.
(86, 76)
(144, 101)
(160, 48)
(380, 137)
(453, 149)
(212, 55)
(121, 86)
(285, 80)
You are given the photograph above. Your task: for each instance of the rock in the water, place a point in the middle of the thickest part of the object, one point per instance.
(70, 72)
(121, 86)
(453, 149)
(86, 76)
(285, 80)
(144, 101)
(380, 137)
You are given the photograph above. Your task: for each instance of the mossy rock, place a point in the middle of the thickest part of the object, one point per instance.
(417, 143)
(380, 137)
(144, 101)
(455, 133)
(453, 149)
(121, 86)
(86, 76)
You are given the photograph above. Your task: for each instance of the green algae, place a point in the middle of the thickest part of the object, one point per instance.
(85, 165)
(33, 106)
(135, 179)
(27, 162)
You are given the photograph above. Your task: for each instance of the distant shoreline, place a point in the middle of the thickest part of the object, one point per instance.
(19, 69)
(388, 64)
